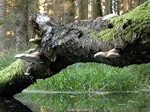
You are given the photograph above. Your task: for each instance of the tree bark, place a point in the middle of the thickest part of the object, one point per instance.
(118, 2)
(32, 6)
(78, 42)
(96, 9)
(108, 7)
(126, 6)
(58, 10)
(2, 22)
(83, 9)
(21, 25)
(69, 11)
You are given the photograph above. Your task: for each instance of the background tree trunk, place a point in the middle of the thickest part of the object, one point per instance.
(118, 2)
(108, 7)
(126, 6)
(2, 22)
(42, 8)
(83, 9)
(69, 11)
(58, 10)
(22, 26)
(114, 6)
(32, 7)
(96, 9)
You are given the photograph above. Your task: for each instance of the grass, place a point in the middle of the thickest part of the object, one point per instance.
(6, 60)
(96, 77)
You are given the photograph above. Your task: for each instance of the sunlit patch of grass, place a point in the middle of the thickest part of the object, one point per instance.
(96, 77)
(6, 60)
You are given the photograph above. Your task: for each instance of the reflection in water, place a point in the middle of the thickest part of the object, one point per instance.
(12, 105)
(87, 102)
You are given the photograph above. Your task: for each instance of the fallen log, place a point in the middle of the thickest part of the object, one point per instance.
(126, 42)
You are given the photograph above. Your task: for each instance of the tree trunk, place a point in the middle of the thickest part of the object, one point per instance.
(78, 42)
(42, 6)
(126, 6)
(118, 2)
(21, 25)
(32, 6)
(2, 22)
(96, 9)
(83, 9)
(114, 6)
(130, 5)
(69, 13)
(58, 10)
(108, 7)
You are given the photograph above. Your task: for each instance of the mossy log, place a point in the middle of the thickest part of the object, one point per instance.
(63, 45)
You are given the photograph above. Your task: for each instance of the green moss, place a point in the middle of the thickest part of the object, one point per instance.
(10, 73)
(93, 34)
(140, 18)
(104, 34)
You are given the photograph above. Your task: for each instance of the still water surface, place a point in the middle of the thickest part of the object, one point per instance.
(86, 101)
(38, 101)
